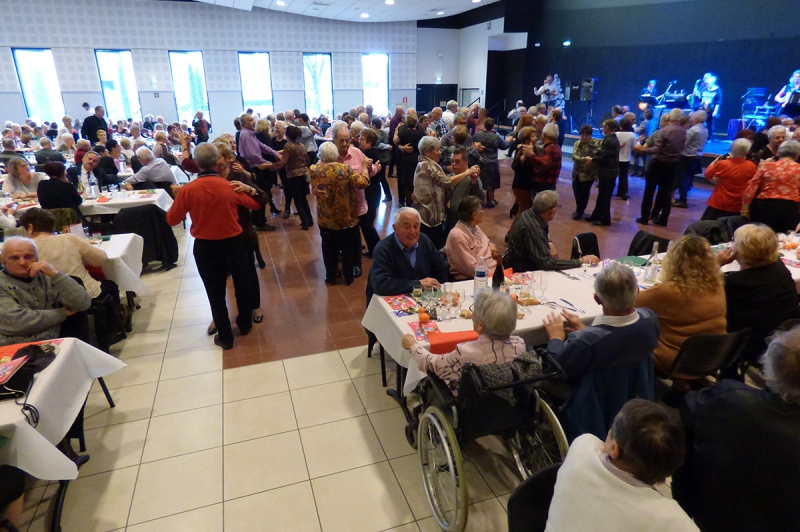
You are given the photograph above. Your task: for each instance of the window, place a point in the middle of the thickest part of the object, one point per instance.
(254, 72)
(189, 84)
(119, 84)
(319, 84)
(375, 69)
(39, 81)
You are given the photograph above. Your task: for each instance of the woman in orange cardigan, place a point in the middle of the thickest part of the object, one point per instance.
(689, 300)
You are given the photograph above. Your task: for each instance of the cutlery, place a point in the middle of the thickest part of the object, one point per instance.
(567, 275)
(574, 306)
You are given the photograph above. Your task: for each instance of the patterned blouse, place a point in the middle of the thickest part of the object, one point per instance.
(581, 170)
(339, 210)
(775, 180)
(430, 182)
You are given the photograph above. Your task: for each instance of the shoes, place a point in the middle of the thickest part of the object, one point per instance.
(348, 281)
(489, 205)
(679, 204)
(590, 218)
(514, 210)
(577, 215)
(357, 271)
(262, 264)
(366, 254)
(329, 281)
(641, 221)
(219, 343)
(266, 228)
(600, 223)
(287, 214)
(246, 331)
(623, 197)
(273, 208)
(494, 201)
(258, 319)
(304, 227)
(387, 200)
(212, 329)
(662, 223)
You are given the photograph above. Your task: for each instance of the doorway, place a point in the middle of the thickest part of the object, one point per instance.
(470, 95)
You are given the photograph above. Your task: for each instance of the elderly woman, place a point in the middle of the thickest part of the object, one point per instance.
(295, 159)
(67, 129)
(488, 142)
(776, 136)
(263, 131)
(57, 192)
(607, 160)
(467, 243)
(21, 182)
(334, 184)
(772, 196)
(66, 145)
(430, 183)
(584, 170)
(125, 149)
(406, 138)
(109, 162)
(523, 168)
(494, 319)
(162, 150)
(82, 147)
(762, 294)
(689, 300)
(730, 174)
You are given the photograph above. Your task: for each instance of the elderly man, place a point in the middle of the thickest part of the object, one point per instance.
(743, 448)
(93, 123)
(35, 298)
(529, 247)
(438, 127)
(47, 153)
(608, 486)
(219, 247)
(448, 141)
(696, 138)
(80, 176)
(9, 151)
(547, 162)
(450, 113)
(666, 151)
(517, 112)
(307, 137)
(405, 259)
(201, 127)
(154, 170)
(252, 149)
(548, 91)
(467, 187)
(430, 184)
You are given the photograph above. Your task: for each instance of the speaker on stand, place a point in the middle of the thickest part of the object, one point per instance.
(588, 93)
(572, 93)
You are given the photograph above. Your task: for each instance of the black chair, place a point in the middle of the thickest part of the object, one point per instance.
(712, 230)
(150, 222)
(371, 340)
(529, 505)
(703, 355)
(585, 244)
(642, 244)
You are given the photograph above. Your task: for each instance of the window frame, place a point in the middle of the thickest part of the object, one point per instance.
(271, 83)
(22, 85)
(388, 80)
(206, 112)
(102, 90)
(305, 89)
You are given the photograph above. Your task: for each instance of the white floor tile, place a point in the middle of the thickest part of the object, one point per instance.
(192, 336)
(410, 527)
(290, 508)
(335, 447)
(186, 393)
(313, 370)
(326, 403)
(138, 370)
(149, 321)
(208, 519)
(503, 499)
(189, 284)
(183, 433)
(390, 425)
(258, 417)
(29, 506)
(133, 403)
(186, 317)
(372, 393)
(156, 302)
(192, 298)
(486, 515)
(358, 365)
(176, 485)
(367, 498)
(141, 344)
(263, 464)
(255, 380)
(114, 447)
(493, 459)
(162, 286)
(191, 361)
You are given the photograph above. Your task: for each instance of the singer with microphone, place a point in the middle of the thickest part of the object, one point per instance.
(707, 96)
(789, 96)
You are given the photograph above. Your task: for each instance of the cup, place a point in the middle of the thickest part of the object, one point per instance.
(651, 274)
(416, 293)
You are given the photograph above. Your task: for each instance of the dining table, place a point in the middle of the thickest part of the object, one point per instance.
(124, 265)
(113, 202)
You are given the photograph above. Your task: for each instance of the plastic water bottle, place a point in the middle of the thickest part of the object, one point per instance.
(122, 163)
(93, 186)
(481, 276)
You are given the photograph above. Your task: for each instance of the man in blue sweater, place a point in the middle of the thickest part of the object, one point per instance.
(405, 258)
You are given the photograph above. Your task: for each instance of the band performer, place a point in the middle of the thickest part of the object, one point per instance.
(789, 96)
(650, 90)
(708, 97)
(548, 91)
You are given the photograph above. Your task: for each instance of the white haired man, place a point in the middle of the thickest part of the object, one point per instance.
(696, 138)
(449, 114)
(154, 170)
(438, 126)
(47, 153)
(517, 112)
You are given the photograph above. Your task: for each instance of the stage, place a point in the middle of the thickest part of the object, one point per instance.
(714, 148)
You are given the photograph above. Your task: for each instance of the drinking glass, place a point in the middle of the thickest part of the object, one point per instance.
(461, 296)
(651, 274)
(535, 281)
(428, 296)
(543, 284)
(416, 293)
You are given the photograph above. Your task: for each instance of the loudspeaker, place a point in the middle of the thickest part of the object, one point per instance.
(572, 92)
(589, 89)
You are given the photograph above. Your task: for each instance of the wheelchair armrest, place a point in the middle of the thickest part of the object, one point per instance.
(441, 390)
(553, 362)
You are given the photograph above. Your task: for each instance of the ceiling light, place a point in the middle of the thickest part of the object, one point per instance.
(476, 1)
(440, 13)
(567, 43)
(281, 3)
(364, 15)
(538, 44)
(389, 2)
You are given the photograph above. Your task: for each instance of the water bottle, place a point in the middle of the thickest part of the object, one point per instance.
(654, 255)
(92, 186)
(481, 276)
(122, 164)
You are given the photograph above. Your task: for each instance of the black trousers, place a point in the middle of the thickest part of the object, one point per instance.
(394, 162)
(287, 192)
(381, 177)
(299, 188)
(367, 221)
(689, 166)
(263, 182)
(582, 191)
(661, 176)
(334, 242)
(782, 216)
(216, 260)
(437, 234)
(622, 186)
(253, 247)
(715, 214)
(602, 205)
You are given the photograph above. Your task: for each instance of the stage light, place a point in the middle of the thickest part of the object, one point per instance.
(476, 1)
(567, 43)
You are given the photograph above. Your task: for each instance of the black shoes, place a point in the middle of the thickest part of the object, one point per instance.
(357, 271)
(662, 223)
(514, 210)
(679, 204)
(219, 343)
(641, 221)
(266, 228)
(623, 197)
(600, 223)
(287, 214)
(577, 215)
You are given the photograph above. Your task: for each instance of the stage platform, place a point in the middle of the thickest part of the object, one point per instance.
(714, 148)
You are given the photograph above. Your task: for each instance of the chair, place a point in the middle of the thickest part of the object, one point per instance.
(642, 243)
(150, 222)
(65, 217)
(712, 230)
(708, 354)
(585, 244)
(529, 505)
(371, 340)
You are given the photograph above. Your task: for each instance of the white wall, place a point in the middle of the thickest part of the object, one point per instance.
(430, 43)
(474, 55)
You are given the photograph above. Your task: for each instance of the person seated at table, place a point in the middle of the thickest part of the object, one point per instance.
(12, 494)
(136, 165)
(689, 300)
(772, 196)
(743, 448)
(22, 183)
(622, 336)
(35, 298)
(162, 150)
(609, 486)
(82, 147)
(67, 145)
(8, 220)
(127, 152)
(405, 258)
(47, 153)
(762, 294)
(529, 246)
(467, 243)
(79, 175)
(102, 136)
(109, 161)
(67, 252)
(494, 319)
(57, 192)
(729, 175)
(9, 151)
(154, 170)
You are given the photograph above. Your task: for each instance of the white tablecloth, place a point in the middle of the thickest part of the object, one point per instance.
(158, 197)
(58, 394)
(125, 262)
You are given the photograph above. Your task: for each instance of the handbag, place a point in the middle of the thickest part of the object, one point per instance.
(39, 357)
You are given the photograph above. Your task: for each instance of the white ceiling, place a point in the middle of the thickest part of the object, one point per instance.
(351, 10)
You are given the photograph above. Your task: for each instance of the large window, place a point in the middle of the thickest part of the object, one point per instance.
(189, 84)
(39, 81)
(119, 84)
(319, 84)
(375, 69)
(256, 82)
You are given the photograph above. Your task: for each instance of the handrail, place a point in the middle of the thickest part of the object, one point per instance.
(489, 111)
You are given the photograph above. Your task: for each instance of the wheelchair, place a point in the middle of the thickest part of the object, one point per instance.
(492, 400)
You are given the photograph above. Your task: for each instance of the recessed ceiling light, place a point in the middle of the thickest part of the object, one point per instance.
(281, 3)
(476, 1)
(440, 13)
(538, 44)
(389, 2)
(364, 15)
(567, 43)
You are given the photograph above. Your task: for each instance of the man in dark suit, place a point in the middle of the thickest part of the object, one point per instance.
(93, 123)
(9, 151)
(743, 449)
(79, 175)
(47, 153)
(405, 259)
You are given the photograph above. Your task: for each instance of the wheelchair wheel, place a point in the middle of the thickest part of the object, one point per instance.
(442, 470)
(544, 445)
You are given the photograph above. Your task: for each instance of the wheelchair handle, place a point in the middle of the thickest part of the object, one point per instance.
(559, 371)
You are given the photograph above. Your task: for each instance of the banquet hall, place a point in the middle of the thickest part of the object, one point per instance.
(332, 130)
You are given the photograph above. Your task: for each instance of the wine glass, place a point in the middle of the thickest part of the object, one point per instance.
(534, 282)
(543, 284)
(428, 296)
